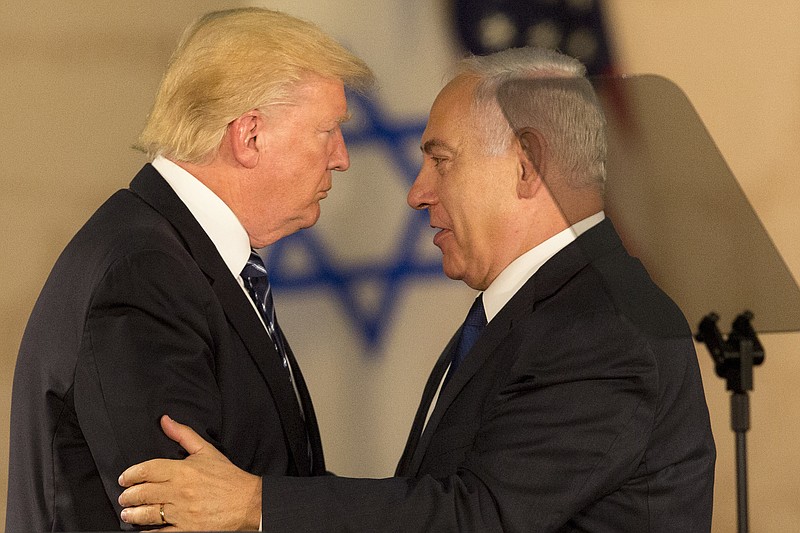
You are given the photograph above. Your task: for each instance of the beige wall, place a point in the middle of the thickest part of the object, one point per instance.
(739, 63)
(77, 79)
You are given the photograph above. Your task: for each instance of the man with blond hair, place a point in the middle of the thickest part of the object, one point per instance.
(570, 400)
(160, 302)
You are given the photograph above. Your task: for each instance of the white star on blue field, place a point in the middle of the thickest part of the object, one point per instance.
(398, 143)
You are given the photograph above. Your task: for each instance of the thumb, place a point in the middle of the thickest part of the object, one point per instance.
(183, 435)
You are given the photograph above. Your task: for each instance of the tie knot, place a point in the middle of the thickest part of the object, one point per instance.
(476, 316)
(254, 267)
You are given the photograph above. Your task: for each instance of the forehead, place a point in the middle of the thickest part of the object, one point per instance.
(455, 99)
(322, 98)
(450, 117)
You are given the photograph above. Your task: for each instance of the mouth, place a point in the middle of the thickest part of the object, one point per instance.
(441, 235)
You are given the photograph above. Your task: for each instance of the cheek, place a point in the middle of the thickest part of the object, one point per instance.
(299, 173)
(476, 236)
(312, 165)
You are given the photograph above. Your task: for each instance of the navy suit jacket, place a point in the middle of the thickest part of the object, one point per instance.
(580, 408)
(140, 317)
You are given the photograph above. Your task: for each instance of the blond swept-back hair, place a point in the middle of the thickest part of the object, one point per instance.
(548, 91)
(229, 62)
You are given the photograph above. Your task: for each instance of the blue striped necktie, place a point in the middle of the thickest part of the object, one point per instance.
(255, 278)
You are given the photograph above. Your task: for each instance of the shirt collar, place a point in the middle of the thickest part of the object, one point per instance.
(519, 271)
(213, 215)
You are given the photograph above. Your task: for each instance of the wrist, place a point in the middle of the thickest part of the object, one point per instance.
(253, 517)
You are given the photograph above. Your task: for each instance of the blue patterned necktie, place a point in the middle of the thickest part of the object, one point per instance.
(255, 278)
(470, 331)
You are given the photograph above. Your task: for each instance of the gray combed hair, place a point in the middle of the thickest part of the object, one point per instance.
(547, 91)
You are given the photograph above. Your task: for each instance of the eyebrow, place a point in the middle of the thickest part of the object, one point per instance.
(433, 144)
(333, 123)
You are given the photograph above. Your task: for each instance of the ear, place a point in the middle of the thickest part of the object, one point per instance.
(532, 146)
(242, 136)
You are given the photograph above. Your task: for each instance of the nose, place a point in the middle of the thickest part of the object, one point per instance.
(339, 159)
(421, 195)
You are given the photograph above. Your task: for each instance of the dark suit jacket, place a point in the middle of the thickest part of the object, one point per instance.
(580, 408)
(140, 317)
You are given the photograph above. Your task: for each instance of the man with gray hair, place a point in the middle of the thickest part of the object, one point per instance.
(570, 399)
(160, 302)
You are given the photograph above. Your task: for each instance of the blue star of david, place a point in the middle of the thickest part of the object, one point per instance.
(403, 264)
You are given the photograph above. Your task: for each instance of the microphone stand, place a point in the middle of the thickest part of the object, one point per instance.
(734, 359)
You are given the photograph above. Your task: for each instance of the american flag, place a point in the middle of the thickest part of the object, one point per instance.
(573, 27)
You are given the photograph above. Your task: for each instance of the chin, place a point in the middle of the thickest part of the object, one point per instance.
(455, 272)
(311, 219)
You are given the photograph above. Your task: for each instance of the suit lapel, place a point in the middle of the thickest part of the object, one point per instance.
(494, 333)
(250, 329)
(153, 189)
(317, 465)
(424, 406)
(544, 283)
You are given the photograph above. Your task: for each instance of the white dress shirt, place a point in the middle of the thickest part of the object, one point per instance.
(214, 215)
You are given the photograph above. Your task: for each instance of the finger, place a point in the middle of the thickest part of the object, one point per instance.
(154, 470)
(144, 515)
(183, 435)
(141, 494)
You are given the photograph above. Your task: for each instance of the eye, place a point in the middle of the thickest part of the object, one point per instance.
(330, 131)
(437, 161)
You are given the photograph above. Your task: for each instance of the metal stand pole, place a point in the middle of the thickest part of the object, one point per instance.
(734, 360)
(740, 423)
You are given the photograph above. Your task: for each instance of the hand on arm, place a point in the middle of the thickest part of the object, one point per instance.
(203, 492)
